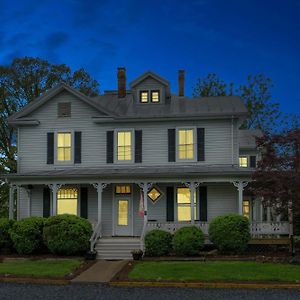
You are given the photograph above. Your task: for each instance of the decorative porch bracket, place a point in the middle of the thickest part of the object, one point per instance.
(99, 186)
(145, 186)
(12, 189)
(193, 185)
(54, 187)
(240, 185)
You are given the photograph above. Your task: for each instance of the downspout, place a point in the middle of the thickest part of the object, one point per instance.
(232, 156)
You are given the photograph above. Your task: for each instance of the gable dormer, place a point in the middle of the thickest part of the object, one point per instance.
(150, 88)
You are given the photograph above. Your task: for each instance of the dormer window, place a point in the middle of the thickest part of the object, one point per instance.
(154, 96)
(144, 96)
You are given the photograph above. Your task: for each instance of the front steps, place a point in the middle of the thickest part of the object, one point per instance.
(116, 247)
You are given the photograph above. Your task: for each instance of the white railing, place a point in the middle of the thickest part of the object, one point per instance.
(256, 228)
(95, 236)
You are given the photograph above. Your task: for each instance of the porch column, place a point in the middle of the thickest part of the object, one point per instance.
(192, 186)
(240, 185)
(12, 189)
(28, 191)
(54, 188)
(145, 186)
(99, 187)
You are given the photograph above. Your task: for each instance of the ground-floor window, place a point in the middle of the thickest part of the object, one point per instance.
(246, 208)
(67, 199)
(184, 204)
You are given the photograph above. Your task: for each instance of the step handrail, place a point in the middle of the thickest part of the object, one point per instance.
(95, 236)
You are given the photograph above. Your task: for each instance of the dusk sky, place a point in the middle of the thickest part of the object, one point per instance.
(230, 38)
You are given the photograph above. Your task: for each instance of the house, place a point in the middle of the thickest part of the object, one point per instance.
(133, 160)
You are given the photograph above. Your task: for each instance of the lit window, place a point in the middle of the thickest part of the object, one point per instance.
(243, 161)
(154, 194)
(144, 95)
(186, 144)
(67, 201)
(184, 204)
(154, 96)
(123, 189)
(64, 146)
(124, 145)
(246, 208)
(123, 213)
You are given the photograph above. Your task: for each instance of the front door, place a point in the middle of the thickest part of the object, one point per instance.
(123, 220)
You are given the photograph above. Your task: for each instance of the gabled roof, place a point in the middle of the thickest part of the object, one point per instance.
(146, 75)
(32, 106)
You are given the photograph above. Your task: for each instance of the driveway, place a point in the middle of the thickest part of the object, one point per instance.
(103, 291)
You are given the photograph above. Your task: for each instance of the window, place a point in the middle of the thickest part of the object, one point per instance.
(64, 146)
(246, 208)
(184, 204)
(67, 201)
(154, 96)
(64, 109)
(186, 144)
(123, 189)
(144, 95)
(154, 194)
(124, 145)
(243, 161)
(123, 213)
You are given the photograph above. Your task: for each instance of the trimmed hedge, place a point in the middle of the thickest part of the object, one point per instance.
(230, 233)
(27, 235)
(5, 240)
(188, 240)
(67, 234)
(158, 243)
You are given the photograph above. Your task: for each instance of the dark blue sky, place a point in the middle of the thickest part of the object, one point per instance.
(230, 38)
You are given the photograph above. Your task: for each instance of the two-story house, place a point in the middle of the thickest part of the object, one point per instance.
(133, 160)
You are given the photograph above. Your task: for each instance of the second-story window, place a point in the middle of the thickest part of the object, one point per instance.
(185, 144)
(154, 96)
(243, 161)
(144, 96)
(64, 146)
(124, 145)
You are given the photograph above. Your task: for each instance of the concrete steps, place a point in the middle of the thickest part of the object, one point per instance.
(116, 247)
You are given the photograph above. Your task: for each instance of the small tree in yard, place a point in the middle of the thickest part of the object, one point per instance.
(277, 178)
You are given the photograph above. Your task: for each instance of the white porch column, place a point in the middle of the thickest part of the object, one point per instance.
(12, 189)
(240, 185)
(54, 188)
(192, 186)
(99, 187)
(28, 191)
(145, 186)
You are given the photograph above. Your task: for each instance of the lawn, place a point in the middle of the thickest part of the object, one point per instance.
(212, 271)
(39, 268)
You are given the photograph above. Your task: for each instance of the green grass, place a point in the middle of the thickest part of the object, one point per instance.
(39, 268)
(211, 271)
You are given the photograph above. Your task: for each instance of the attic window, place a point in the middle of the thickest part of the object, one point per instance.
(64, 109)
(144, 96)
(154, 96)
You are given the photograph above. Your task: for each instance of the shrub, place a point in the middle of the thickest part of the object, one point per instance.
(67, 234)
(158, 243)
(27, 235)
(188, 240)
(5, 240)
(230, 233)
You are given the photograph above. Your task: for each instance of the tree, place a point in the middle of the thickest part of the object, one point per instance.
(20, 83)
(277, 177)
(256, 94)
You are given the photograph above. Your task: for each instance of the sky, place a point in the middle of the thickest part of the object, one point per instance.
(233, 39)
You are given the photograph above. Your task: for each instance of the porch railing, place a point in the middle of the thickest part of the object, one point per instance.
(95, 236)
(256, 228)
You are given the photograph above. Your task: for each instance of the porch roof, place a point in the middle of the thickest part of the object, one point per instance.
(138, 172)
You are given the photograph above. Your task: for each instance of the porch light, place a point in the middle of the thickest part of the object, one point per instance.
(154, 194)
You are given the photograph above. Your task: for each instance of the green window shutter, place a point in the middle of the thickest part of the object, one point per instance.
(171, 145)
(109, 147)
(253, 161)
(84, 202)
(46, 202)
(200, 144)
(138, 145)
(170, 204)
(77, 156)
(203, 203)
(50, 148)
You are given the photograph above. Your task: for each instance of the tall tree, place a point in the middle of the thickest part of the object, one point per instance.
(256, 94)
(20, 83)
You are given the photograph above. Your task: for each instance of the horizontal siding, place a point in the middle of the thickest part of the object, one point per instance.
(32, 139)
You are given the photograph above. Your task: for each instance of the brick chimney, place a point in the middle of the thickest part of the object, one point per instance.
(121, 82)
(181, 83)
